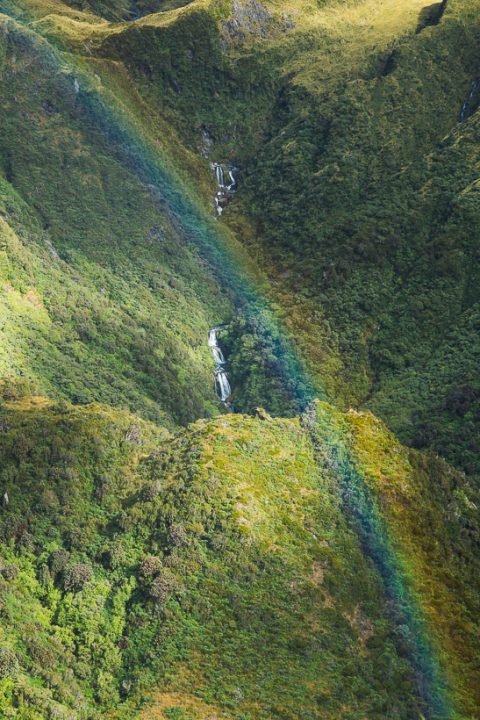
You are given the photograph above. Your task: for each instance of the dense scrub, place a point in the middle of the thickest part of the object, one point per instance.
(243, 566)
(381, 232)
(356, 187)
(218, 562)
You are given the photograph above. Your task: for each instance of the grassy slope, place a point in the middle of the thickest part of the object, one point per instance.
(255, 600)
(439, 550)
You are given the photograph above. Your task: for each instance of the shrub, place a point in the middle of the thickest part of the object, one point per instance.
(150, 566)
(151, 490)
(9, 572)
(163, 587)
(116, 555)
(103, 487)
(77, 576)
(14, 389)
(58, 561)
(44, 576)
(178, 535)
(8, 663)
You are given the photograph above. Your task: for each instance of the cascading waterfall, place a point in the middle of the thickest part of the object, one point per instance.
(139, 153)
(467, 105)
(226, 190)
(222, 384)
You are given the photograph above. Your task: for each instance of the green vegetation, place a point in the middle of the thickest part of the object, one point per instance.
(218, 564)
(439, 551)
(161, 559)
(347, 115)
(102, 299)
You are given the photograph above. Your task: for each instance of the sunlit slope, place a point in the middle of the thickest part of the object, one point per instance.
(355, 192)
(103, 299)
(430, 512)
(247, 566)
(222, 566)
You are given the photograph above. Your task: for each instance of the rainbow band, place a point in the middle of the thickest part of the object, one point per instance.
(361, 507)
(140, 154)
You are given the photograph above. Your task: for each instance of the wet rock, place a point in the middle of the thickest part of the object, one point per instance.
(226, 176)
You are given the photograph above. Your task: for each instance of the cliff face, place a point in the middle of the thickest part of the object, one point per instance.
(301, 177)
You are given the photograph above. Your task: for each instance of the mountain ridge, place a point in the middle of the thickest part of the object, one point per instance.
(192, 480)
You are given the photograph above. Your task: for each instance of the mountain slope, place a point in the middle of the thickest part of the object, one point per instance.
(103, 297)
(161, 558)
(221, 563)
(349, 116)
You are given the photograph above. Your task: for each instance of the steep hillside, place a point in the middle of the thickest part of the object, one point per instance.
(102, 297)
(302, 177)
(228, 566)
(357, 167)
(356, 185)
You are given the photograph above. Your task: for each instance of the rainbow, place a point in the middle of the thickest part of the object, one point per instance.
(361, 507)
(249, 292)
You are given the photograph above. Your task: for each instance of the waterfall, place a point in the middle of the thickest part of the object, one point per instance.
(220, 176)
(218, 356)
(222, 385)
(233, 183)
(475, 87)
(226, 190)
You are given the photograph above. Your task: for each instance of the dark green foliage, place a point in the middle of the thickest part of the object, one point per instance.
(357, 194)
(258, 369)
(76, 577)
(8, 663)
(219, 563)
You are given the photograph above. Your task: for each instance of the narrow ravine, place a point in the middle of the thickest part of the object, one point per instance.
(222, 384)
(467, 105)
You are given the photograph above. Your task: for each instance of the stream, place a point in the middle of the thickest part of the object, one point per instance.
(227, 187)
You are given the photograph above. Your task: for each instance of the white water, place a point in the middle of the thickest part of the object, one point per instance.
(222, 384)
(219, 174)
(226, 190)
(218, 356)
